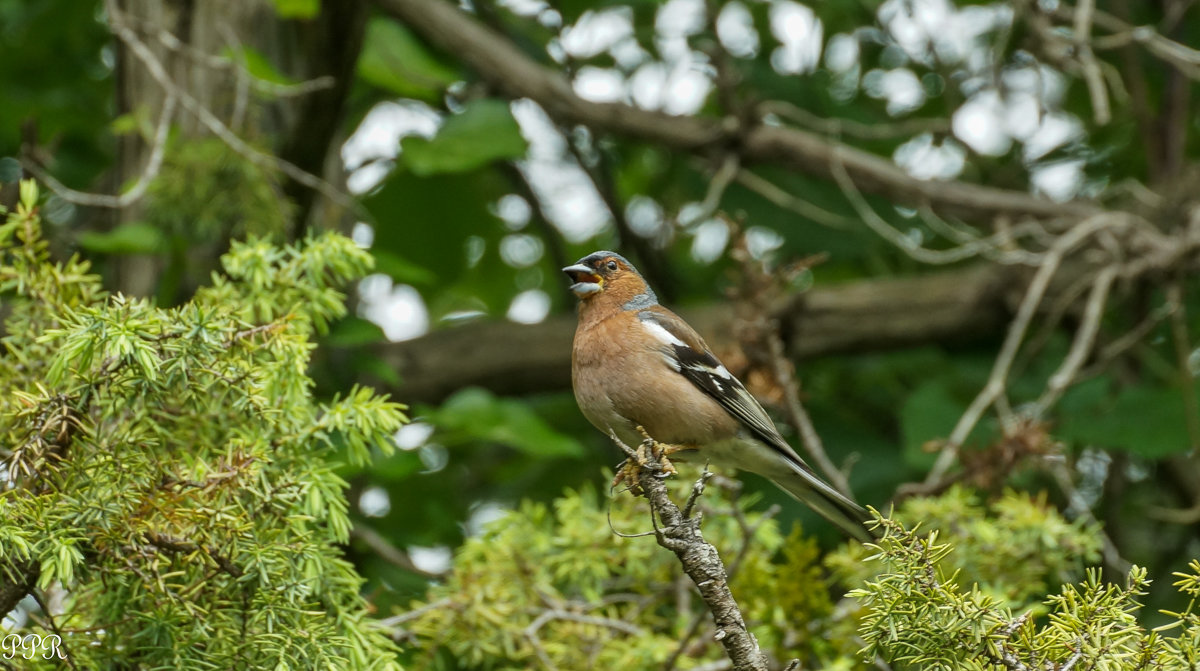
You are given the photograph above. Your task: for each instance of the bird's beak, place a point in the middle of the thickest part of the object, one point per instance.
(586, 281)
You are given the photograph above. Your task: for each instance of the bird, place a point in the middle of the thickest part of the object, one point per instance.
(636, 366)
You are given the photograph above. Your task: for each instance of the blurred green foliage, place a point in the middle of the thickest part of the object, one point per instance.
(437, 228)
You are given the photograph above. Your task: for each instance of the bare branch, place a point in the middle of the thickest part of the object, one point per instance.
(1183, 350)
(502, 64)
(1184, 58)
(390, 553)
(912, 247)
(1101, 113)
(849, 128)
(788, 201)
(1016, 335)
(700, 561)
(135, 193)
(210, 121)
(1085, 339)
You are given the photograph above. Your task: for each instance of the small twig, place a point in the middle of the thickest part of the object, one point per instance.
(397, 620)
(791, 202)
(135, 193)
(1088, 64)
(181, 546)
(1016, 334)
(390, 553)
(697, 492)
(607, 622)
(991, 245)
(1085, 339)
(701, 562)
(814, 447)
(725, 174)
(66, 652)
(172, 43)
(210, 121)
(1074, 659)
(1183, 349)
(1184, 58)
(854, 129)
(1108, 549)
(241, 79)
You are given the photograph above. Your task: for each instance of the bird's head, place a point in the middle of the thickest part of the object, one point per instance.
(610, 275)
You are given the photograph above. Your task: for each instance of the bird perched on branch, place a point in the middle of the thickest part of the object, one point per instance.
(637, 364)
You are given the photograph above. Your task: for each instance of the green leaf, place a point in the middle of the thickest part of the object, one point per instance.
(58, 211)
(10, 170)
(474, 414)
(394, 59)
(1145, 420)
(928, 413)
(297, 9)
(428, 221)
(401, 269)
(484, 132)
(354, 332)
(131, 238)
(258, 66)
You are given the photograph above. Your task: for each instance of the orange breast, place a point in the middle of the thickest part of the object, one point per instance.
(619, 384)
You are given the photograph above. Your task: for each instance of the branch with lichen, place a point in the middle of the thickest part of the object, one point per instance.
(679, 531)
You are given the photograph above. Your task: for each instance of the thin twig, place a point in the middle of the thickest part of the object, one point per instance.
(725, 174)
(135, 193)
(1183, 350)
(66, 652)
(566, 615)
(397, 620)
(854, 129)
(788, 201)
(906, 244)
(210, 121)
(172, 43)
(1016, 334)
(810, 440)
(1085, 339)
(390, 553)
(1101, 113)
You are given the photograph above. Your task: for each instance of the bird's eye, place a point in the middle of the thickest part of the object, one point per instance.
(612, 265)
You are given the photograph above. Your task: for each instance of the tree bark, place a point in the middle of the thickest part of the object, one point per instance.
(302, 130)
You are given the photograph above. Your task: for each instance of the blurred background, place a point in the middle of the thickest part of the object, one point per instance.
(969, 229)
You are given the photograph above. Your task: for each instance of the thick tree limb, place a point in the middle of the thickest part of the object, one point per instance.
(511, 70)
(870, 315)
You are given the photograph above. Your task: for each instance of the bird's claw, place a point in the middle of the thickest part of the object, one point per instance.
(649, 455)
(652, 451)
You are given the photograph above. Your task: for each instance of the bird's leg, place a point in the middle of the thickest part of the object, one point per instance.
(650, 449)
(649, 454)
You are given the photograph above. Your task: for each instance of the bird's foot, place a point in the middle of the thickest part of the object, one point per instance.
(627, 473)
(651, 451)
(649, 455)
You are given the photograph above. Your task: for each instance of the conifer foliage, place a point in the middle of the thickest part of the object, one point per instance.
(168, 496)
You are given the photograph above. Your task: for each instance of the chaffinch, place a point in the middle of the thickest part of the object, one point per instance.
(635, 363)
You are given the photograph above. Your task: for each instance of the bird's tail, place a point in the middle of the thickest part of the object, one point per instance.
(829, 503)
